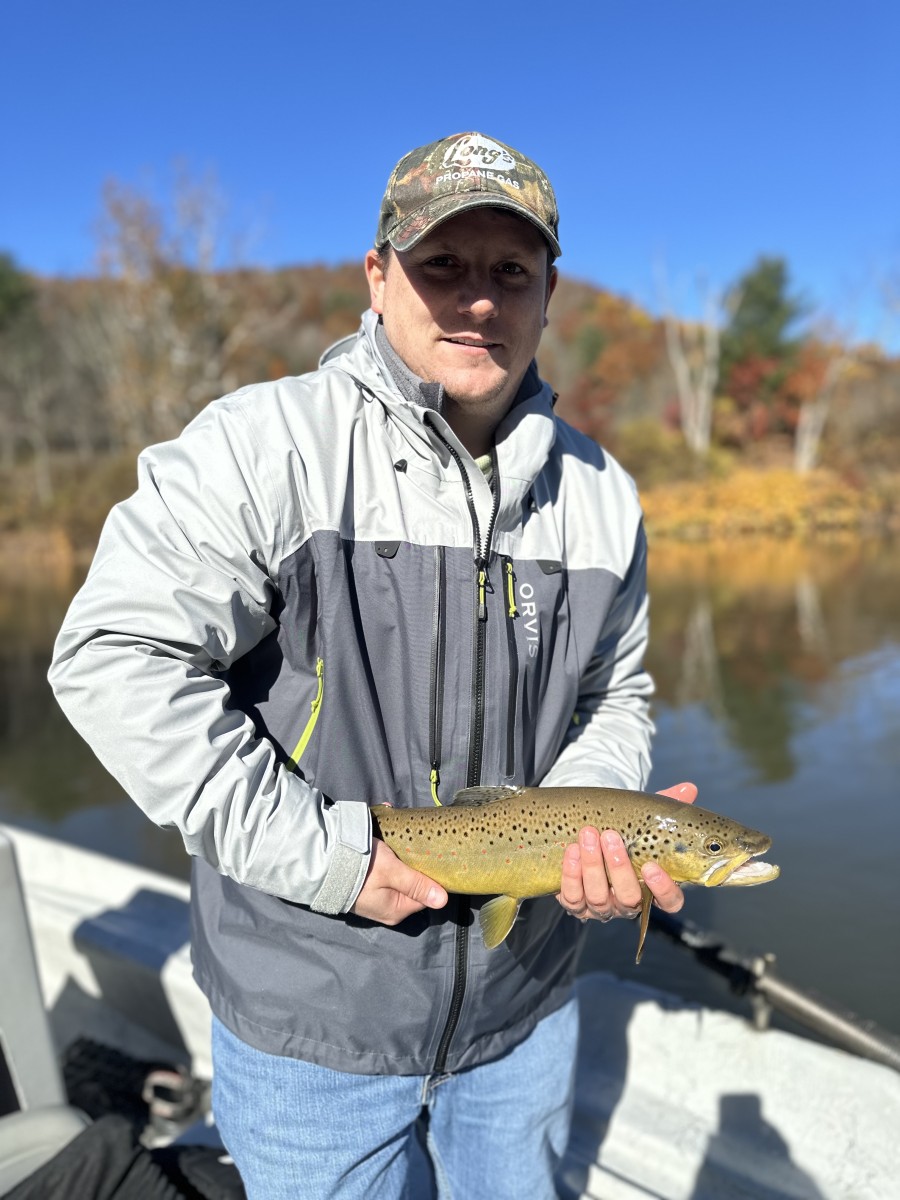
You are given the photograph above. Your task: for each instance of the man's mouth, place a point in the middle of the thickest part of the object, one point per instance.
(472, 343)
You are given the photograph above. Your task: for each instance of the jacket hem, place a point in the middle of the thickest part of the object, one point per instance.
(484, 1049)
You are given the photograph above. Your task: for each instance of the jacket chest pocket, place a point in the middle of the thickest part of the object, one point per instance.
(539, 666)
(539, 594)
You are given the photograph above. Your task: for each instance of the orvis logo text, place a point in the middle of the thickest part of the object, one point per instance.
(530, 621)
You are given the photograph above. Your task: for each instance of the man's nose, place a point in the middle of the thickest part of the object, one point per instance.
(479, 297)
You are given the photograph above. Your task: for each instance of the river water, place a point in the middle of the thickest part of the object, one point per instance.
(778, 694)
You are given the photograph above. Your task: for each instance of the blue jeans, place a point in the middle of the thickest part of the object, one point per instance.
(302, 1132)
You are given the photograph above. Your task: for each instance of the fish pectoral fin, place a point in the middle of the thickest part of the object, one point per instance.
(646, 902)
(497, 918)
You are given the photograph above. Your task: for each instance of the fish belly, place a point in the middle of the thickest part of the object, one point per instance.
(486, 871)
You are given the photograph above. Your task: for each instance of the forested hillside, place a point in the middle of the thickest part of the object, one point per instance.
(92, 369)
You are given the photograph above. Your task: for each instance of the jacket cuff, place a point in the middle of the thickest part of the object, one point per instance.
(349, 859)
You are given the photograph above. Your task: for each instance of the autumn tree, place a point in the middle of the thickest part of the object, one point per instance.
(166, 327)
(694, 352)
(759, 346)
(612, 345)
(26, 376)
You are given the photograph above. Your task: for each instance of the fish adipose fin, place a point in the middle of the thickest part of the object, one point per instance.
(646, 902)
(497, 918)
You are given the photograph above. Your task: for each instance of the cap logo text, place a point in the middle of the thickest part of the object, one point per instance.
(472, 151)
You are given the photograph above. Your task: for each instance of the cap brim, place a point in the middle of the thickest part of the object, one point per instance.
(408, 232)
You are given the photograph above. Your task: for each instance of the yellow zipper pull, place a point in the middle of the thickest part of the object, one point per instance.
(435, 780)
(314, 707)
(511, 589)
(320, 686)
(482, 588)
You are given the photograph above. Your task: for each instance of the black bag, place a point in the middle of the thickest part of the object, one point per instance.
(107, 1162)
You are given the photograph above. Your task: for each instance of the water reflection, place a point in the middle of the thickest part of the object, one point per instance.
(752, 631)
(49, 780)
(778, 692)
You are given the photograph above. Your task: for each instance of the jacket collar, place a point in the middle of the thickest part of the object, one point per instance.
(523, 438)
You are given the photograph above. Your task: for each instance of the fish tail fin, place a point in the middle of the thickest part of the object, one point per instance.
(497, 918)
(646, 902)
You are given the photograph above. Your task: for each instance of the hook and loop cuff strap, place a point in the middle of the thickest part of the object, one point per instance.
(351, 827)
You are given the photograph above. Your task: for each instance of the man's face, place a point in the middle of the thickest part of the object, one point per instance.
(466, 306)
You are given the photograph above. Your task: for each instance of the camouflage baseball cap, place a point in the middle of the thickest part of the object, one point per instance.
(460, 172)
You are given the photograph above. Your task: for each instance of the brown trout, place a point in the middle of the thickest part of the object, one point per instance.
(509, 842)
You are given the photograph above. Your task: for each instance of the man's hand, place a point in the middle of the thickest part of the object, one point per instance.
(393, 891)
(598, 880)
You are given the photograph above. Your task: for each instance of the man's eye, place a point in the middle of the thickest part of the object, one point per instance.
(439, 260)
(511, 268)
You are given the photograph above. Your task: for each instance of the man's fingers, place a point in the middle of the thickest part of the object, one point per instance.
(424, 891)
(667, 894)
(393, 891)
(685, 792)
(621, 874)
(571, 892)
(596, 882)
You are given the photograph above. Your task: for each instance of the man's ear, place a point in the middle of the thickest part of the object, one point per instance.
(552, 279)
(375, 276)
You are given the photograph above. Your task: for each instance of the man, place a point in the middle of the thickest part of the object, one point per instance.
(395, 577)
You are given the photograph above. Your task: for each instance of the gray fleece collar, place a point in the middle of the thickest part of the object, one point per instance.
(410, 386)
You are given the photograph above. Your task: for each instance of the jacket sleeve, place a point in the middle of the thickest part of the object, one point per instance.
(181, 586)
(608, 742)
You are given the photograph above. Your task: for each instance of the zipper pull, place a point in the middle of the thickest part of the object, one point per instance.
(320, 686)
(435, 779)
(482, 589)
(512, 611)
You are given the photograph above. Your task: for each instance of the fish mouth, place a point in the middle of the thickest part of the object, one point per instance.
(742, 870)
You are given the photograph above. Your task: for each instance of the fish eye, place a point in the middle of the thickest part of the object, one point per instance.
(713, 846)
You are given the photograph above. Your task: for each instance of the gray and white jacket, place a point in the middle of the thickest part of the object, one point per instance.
(316, 602)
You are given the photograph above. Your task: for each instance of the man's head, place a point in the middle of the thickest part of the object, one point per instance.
(462, 274)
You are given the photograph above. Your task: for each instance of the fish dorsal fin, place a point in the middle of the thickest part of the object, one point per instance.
(475, 796)
(497, 918)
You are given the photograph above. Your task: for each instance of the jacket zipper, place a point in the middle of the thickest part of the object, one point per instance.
(437, 675)
(512, 613)
(476, 728)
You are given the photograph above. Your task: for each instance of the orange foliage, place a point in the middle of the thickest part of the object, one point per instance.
(619, 345)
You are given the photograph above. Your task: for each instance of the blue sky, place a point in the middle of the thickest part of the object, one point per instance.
(695, 133)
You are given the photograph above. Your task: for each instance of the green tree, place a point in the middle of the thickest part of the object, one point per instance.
(16, 290)
(759, 347)
(764, 313)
